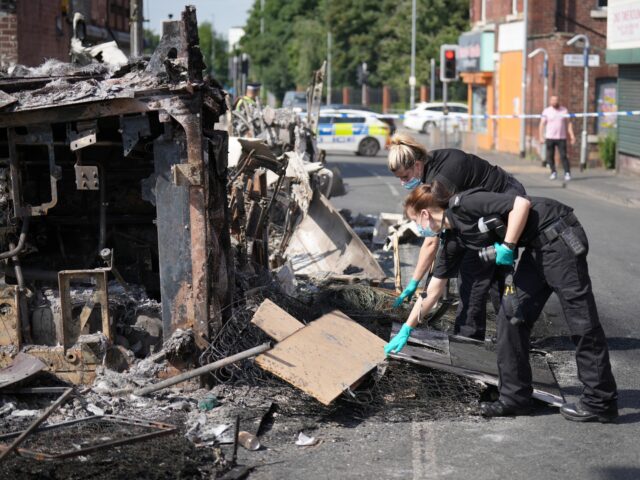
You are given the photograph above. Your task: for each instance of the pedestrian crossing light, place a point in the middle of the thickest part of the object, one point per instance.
(448, 71)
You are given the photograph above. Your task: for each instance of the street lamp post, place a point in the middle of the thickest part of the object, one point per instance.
(585, 96)
(329, 68)
(412, 77)
(545, 89)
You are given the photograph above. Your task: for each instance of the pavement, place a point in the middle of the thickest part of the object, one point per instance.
(621, 189)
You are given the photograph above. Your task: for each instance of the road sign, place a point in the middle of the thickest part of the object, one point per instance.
(576, 60)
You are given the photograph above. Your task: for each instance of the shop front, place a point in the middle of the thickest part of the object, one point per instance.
(623, 49)
(476, 65)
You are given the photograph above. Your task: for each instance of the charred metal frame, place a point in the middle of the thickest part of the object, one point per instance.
(189, 161)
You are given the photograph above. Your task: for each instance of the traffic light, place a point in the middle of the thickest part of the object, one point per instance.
(448, 70)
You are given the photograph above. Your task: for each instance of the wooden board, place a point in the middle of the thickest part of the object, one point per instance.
(326, 357)
(274, 321)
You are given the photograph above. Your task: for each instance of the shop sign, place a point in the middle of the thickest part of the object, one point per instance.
(623, 24)
(469, 52)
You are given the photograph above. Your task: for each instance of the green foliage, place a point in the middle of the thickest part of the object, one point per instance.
(378, 32)
(151, 41)
(214, 51)
(607, 150)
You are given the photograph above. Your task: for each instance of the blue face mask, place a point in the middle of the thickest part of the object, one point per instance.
(425, 231)
(411, 184)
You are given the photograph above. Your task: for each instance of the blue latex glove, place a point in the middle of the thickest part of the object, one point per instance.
(504, 255)
(398, 342)
(407, 292)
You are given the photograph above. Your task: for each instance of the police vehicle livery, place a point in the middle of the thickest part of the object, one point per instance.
(352, 131)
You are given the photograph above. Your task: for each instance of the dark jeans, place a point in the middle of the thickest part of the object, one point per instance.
(554, 268)
(551, 145)
(476, 280)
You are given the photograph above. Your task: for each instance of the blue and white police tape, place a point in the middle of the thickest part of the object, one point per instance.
(625, 113)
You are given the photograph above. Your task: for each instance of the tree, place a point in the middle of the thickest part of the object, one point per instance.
(307, 50)
(151, 41)
(214, 51)
(377, 32)
(437, 22)
(269, 52)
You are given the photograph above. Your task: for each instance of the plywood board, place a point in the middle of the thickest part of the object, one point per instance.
(326, 357)
(274, 321)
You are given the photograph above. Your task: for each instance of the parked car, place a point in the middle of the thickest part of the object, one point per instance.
(297, 101)
(388, 119)
(427, 116)
(352, 131)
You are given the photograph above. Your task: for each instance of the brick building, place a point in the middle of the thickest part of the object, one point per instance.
(496, 88)
(34, 30)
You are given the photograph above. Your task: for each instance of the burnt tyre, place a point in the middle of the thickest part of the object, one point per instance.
(369, 147)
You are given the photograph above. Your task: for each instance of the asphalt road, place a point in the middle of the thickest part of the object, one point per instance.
(539, 446)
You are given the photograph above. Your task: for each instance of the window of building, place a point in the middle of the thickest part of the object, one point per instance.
(606, 103)
(602, 3)
(479, 107)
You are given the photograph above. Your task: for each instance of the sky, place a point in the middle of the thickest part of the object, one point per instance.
(224, 14)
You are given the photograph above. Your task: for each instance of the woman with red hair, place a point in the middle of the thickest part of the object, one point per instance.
(554, 260)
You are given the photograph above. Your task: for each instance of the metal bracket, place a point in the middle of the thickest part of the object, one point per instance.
(82, 139)
(87, 177)
(38, 135)
(132, 130)
(69, 329)
(186, 174)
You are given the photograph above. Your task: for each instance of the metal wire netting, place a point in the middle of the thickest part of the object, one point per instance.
(402, 392)
(83, 434)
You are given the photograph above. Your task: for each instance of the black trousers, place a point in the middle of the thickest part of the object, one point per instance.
(561, 145)
(476, 280)
(554, 268)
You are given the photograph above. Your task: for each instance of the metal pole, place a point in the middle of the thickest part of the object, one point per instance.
(412, 77)
(328, 68)
(432, 87)
(545, 92)
(261, 17)
(135, 28)
(585, 97)
(445, 108)
(205, 369)
(585, 108)
(364, 84)
(523, 94)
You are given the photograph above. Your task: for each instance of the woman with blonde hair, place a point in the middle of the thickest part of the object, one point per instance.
(457, 171)
(554, 260)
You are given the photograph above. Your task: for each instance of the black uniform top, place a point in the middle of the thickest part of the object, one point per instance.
(465, 209)
(460, 171)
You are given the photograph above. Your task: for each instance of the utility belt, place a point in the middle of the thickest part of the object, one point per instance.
(561, 229)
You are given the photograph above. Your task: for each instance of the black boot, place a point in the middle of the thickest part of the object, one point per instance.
(501, 409)
(577, 412)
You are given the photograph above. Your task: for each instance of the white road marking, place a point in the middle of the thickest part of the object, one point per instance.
(394, 190)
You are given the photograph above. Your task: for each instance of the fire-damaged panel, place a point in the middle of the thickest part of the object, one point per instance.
(113, 228)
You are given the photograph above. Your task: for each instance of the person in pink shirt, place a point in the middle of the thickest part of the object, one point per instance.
(553, 132)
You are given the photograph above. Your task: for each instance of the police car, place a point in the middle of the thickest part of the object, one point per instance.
(352, 131)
